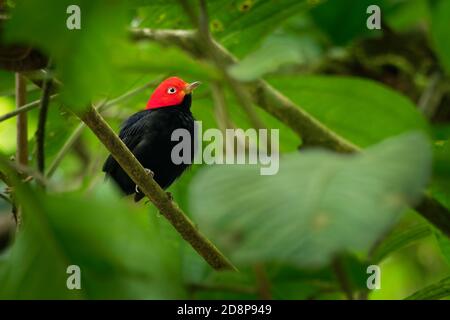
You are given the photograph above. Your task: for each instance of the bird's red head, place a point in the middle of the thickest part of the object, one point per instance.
(170, 92)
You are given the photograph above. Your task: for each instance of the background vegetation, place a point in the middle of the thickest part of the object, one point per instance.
(308, 68)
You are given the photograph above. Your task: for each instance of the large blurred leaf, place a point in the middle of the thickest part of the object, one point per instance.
(343, 20)
(82, 57)
(362, 111)
(271, 56)
(318, 204)
(440, 13)
(119, 253)
(240, 25)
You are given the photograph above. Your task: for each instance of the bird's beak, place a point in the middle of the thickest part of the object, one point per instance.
(191, 86)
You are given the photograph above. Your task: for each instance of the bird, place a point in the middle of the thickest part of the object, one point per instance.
(147, 133)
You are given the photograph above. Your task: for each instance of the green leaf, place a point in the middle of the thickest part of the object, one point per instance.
(440, 13)
(435, 291)
(440, 185)
(83, 57)
(361, 111)
(344, 20)
(400, 239)
(269, 58)
(318, 204)
(120, 253)
(444, 245)
(240, 25)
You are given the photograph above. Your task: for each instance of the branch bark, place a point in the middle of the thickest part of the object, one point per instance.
(153, 191)
(311, 130)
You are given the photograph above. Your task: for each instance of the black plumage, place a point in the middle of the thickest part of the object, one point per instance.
(148, 134)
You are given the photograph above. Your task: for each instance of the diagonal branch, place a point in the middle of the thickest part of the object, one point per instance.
(311, 130)
(153, 191)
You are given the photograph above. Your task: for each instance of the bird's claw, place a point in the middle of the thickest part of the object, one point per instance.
(150, 173)
(169, 195)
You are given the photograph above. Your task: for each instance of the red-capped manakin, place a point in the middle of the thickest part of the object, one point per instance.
(147, 134)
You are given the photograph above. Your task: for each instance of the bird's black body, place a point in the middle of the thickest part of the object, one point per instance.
(148, 134)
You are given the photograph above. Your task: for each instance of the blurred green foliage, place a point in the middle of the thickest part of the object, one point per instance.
(327, 203)
(128, 250)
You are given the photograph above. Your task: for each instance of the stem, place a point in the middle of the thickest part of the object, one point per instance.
(263, 282)
(435, 213)
(220, 109)
(40, 132)
(24, 108)
(22, 130)
(153, 191)
(342, 278)
(22, 133)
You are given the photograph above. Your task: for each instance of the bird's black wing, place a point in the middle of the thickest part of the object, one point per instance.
(131, 133)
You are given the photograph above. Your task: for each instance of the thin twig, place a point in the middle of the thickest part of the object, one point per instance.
(220, 109)
(25, 108)
(6, 198)
(153, 191)
(262, 282)
(40, 132)
(28, 173)
(342, 278)
(22, 128)
(430, 98)
(22, 132)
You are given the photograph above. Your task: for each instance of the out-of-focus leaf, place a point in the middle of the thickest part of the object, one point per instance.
(440, 13)
(435, 291)
(406, 14)
(440, 184)
(444, 245)
(318, 204)
(150, 57)
(400, 239)
(334, 18)
(362, 111)
(119, 253)
(7, 128)
(82, 57)
(240, 25)
(268, 58)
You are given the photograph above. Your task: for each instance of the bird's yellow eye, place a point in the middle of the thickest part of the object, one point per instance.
(171, 90)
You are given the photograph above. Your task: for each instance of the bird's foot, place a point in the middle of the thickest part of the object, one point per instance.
(149, 172)
(169, 195)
